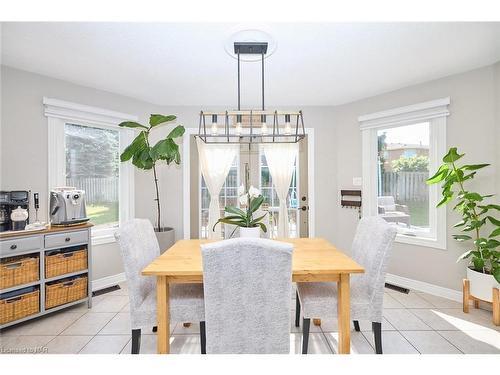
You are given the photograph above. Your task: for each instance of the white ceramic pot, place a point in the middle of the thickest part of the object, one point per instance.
(166, 238)
(481, 285)
(250, 232)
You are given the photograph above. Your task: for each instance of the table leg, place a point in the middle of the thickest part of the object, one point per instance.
(344, 314)
(163, 314)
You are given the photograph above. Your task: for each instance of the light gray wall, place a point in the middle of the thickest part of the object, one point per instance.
(473, 126)
(24, 148)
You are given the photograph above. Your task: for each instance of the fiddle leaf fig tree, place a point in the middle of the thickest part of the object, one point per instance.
(477, 215)
(146, 156)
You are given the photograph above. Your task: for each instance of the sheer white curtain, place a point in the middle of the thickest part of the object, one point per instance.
(215, 163)
(281, 160)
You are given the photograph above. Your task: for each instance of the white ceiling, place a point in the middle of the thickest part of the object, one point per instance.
(186, 64)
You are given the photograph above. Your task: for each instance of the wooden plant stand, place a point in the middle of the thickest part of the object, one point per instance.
(495, 304)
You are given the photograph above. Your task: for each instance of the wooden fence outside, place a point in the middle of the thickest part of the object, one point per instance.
(97, 189)
(405, 186)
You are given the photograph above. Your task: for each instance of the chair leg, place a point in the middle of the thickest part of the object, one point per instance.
(136, 341)
(297, 310)
(306, 323)
(203, 337)
(377, 334)
(356, 326)
(155, 329)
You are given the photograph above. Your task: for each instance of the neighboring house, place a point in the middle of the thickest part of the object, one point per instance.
(394, 151)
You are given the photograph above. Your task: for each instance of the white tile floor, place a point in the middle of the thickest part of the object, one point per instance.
(413, 323)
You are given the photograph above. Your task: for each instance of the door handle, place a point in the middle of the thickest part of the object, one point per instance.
(304, 208)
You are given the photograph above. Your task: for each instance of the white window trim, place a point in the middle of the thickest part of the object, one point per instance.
(435, 112)
(60, 112)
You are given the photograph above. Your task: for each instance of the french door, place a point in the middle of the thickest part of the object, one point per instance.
(251, 165)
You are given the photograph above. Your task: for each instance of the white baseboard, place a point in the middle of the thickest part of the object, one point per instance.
(108, 281)
(422, 286)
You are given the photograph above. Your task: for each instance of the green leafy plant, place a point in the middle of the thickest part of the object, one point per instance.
(411, 164)
(144, 156)
(484, 256)
(251, 201)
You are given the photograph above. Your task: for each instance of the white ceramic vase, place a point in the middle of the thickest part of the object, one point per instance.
(481, 285)
(250, 232)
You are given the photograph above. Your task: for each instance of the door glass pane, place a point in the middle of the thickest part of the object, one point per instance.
(92, 164)
(402, 169)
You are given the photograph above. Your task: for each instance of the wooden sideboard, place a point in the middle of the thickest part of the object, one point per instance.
(68, 252)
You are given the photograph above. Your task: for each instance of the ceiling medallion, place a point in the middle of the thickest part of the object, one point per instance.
(251, 126)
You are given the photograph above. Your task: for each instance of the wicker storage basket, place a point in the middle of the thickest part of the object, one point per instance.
(18, 270)
(19, 307)
(64, 291)
(62, 263)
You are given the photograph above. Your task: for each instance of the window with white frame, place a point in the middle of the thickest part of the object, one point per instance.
(228, 197)
(85, 144)
(401, 147)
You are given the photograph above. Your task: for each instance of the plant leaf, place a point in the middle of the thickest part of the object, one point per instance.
(492, 244)
(460, 223)
(473, 167)
(136, 147)
(231, 222)
(478, 264)
(452, 155)
(439, 176)
(496, 274)
(473, 196)
(156, 119)
(235, 210)
(176, 132)
(461, 237)
(254, 221)
(465, 255)
(262, 226)
(255, 203)
(490, 207)
(494, 221)
(132, 124)
(495, 233)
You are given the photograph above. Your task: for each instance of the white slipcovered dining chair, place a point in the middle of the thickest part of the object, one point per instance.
(139, 247)
(371, 248)
(247, 284)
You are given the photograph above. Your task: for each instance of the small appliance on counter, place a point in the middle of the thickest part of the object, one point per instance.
(67, 206)
(9, 202)
(19, 218)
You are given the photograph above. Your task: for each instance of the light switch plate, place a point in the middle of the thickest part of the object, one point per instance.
(357, 181)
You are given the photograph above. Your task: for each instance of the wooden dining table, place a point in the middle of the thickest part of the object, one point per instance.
(314, 260)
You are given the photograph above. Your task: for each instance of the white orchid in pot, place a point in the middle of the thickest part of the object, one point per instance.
(250, 202)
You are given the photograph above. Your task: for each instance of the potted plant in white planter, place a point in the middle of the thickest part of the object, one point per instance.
(145, 156)
(483, 254)
(251, 202)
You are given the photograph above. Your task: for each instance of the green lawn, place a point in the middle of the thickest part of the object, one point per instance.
(103, 213)
(419, 213)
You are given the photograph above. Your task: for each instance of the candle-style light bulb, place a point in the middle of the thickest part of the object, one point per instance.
(263, 129)
(238, 124)
(214, 129)
(288, 128)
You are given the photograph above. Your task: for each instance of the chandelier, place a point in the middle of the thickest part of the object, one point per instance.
(251, 126)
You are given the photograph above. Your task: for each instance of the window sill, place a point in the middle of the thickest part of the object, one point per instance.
(103, 236)
(421, 241)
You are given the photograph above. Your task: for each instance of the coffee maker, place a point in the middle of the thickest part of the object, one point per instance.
(9, 201)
